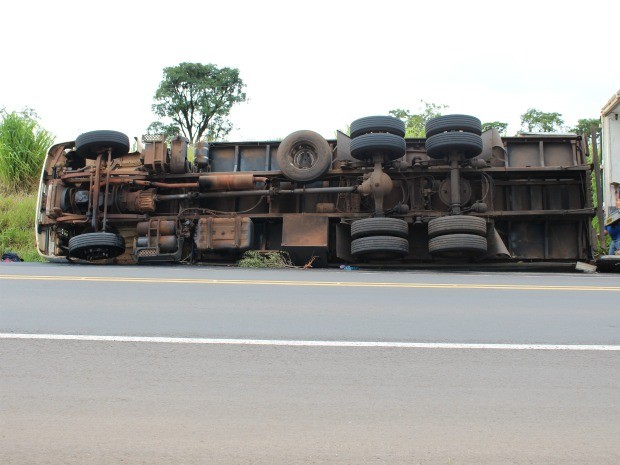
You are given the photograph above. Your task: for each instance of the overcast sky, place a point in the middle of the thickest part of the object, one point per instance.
(309, 65)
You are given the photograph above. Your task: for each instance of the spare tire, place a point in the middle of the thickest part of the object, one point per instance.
(90, 144)
(304, 156)
(385, 124)
(444, 123)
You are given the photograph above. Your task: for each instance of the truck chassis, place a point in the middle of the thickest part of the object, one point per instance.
(374, 198)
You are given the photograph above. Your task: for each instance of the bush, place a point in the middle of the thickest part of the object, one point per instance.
(17, 226)
(269, 259)
(23, 146)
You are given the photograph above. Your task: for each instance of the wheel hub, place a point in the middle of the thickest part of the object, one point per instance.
(96, 253)
(304, 157)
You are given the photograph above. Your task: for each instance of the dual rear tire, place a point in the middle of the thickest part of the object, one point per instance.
(450, 134)
(457, 236)
(379, 238)
(381, 136)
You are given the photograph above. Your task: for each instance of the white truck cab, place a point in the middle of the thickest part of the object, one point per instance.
(610, 120)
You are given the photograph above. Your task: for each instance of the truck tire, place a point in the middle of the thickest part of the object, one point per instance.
(96, 246)
(459, 224)
(379, 227)
(90, 144)
(380, 247)
(465, 143)
(385, 124)
(457, 246)
(463, 123)
(304, 156)
(389, 145)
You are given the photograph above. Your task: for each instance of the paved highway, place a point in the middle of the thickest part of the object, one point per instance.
(221, 365)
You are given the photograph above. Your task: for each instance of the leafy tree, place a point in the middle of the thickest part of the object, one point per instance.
(415, 123)
(168, 130)
(501, 127)
(23, 146)
(195, 100)
(584, 126)
(534, 120)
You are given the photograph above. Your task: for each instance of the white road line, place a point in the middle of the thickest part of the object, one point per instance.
(294, 343)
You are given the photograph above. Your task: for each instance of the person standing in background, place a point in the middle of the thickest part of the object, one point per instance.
(613, 229)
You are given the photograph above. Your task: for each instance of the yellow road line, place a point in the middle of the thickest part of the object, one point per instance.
(260, 282)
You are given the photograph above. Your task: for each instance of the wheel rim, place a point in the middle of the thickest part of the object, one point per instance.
(303, 156)
(96, 246)
(98, 252)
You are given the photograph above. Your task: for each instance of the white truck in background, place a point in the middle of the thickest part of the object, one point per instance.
(610, 170)
(610, 123)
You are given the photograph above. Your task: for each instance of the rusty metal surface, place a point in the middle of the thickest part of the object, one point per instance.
(161, 227)
(139, 201)
(163, 244)
(225, 182)
(178, 155)
(305, 231)
(541, 151)
(155, 156)
(224, 234)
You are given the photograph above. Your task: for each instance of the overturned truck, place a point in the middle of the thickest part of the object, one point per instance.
(459, 196)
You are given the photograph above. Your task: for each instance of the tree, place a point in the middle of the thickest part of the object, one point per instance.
(23, 146)
(534, 120)
(584, 126)
(501, 127)
(169, 131)
(195, 99)
(415, 123)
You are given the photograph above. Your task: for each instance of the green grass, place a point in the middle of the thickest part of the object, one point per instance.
(17, 212)
(23, 145)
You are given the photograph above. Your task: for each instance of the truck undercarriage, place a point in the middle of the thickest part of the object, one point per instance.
(459, 196)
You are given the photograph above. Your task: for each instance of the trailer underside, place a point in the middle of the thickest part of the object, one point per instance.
(528, 200)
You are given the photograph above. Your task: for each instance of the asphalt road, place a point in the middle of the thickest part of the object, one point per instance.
(157, 401)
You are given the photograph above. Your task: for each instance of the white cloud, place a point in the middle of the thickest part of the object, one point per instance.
(319, 65)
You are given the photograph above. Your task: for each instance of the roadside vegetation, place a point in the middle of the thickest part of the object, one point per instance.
(23, 144)
(270, 259)
(194, 99)
(17, 226)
